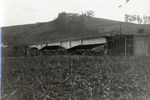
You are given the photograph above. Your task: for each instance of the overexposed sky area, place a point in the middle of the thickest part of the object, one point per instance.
(17, 12)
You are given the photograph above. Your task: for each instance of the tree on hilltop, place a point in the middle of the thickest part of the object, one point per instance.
(72, 22)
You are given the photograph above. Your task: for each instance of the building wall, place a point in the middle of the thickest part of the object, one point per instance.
(140, 45)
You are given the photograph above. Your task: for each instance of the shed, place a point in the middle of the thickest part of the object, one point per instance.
(128, 45)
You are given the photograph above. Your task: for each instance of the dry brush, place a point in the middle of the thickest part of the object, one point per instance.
(75, 78)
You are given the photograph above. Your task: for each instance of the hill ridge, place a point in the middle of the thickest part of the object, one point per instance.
(48, 31)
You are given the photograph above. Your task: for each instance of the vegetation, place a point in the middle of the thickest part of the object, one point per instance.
(76, 78)
(72, 22)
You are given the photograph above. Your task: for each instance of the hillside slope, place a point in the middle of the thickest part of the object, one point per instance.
(11, 34)
(32, 33)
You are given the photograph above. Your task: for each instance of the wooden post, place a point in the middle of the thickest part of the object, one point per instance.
(60, 43)
(113, 45)
(125, 46)
(120, 28)
(80, 42)
(119, 42)
(28, 51)
(69, 44)
(116, 45)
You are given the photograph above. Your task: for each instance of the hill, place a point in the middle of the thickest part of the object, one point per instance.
(12, 34)
(49, 31)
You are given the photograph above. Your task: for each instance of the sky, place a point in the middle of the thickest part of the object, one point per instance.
(17, 12)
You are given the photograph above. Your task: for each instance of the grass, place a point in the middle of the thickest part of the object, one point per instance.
(76, 78)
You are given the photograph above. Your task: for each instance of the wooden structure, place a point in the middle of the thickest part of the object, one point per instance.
(128, 45)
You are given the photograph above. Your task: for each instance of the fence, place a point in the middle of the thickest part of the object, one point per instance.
(83, 52)
(11, 52)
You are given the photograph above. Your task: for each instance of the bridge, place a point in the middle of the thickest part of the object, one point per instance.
(84, 42)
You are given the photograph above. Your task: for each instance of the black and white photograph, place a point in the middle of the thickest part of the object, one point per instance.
(75, 49)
